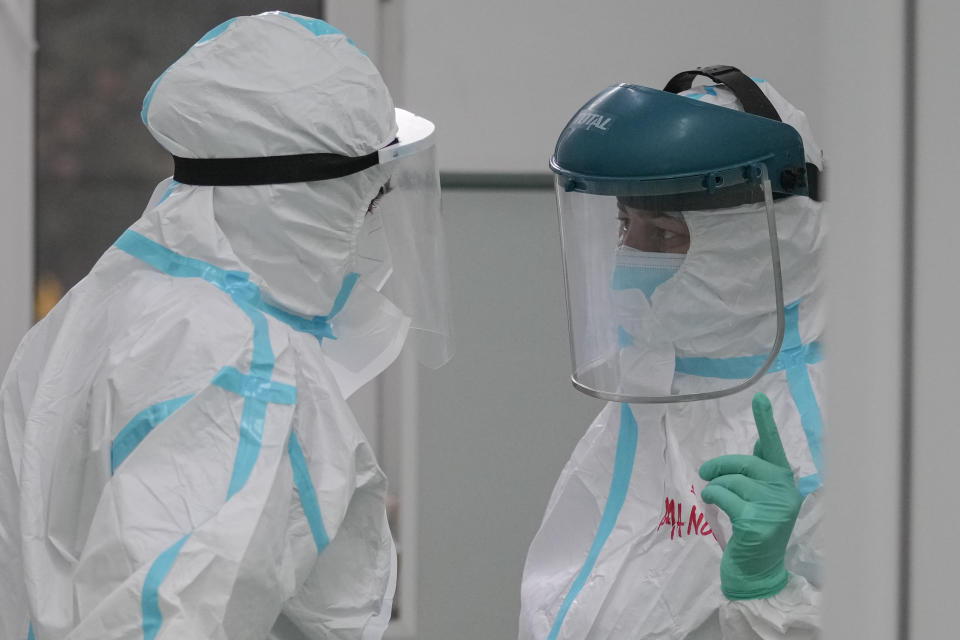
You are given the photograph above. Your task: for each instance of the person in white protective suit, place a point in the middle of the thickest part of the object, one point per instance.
(177, 458)
(692, 237)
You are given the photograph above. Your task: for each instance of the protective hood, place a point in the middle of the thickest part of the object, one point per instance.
(725, 276)
(268, 85)
(276, 85)
(728, 258)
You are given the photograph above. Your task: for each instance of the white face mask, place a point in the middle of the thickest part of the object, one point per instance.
(644, 270)
(646, 362)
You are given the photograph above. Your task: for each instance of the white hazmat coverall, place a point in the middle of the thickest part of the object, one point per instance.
(624, 549)
(177, 458)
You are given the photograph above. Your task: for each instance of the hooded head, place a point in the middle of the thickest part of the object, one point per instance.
(674, 217)
(278, 84)
(726, 274)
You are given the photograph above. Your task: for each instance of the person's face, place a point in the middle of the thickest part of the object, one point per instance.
(652, 231)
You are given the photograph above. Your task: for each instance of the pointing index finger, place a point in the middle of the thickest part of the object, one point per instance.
(769, 447)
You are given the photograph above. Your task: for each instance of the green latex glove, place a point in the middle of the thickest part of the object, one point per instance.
(759, 494)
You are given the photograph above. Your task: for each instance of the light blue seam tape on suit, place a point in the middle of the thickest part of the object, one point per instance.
(235, 283)
(30, 635)
(808, 484)
(252, 420)
(743, 368)
(619, 483)
(257, 388)
(798, 379)
(216, 31)
(246, 296)
(308, 495)
(254, 411)
(318, 326)
(209, 35)
(315, 26)
(794, 359)
(140, 427)
(345, 289)
(150, 603)
(264, 389)
(319, 27)
(166, 194)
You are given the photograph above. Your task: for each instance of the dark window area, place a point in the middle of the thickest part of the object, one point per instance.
(96, 162)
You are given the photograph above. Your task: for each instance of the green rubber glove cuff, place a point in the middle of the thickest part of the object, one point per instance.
(756, 587)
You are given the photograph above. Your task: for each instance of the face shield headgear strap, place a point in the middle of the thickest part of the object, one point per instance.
(305, 167)
(402, 240)
(754, 102)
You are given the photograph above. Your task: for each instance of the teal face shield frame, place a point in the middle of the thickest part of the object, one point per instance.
(662, 152)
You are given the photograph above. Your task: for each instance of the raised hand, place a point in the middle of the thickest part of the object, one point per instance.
(760, 496)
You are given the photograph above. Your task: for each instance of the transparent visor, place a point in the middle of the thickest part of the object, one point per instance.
(674, 297)
(402, 253)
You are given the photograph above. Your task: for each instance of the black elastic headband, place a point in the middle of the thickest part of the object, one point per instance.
(748, 93)
(234, 172)
(752, 98)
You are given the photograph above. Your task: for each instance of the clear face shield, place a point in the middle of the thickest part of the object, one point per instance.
(402, 251)
(655, 309)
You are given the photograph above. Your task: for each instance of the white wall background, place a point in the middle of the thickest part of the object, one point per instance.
(501, 77)
(16, 173)
(892, 557)
(865, 151)
(935, 517)
(500, 420)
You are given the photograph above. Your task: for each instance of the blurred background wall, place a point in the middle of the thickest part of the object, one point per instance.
(892, 132)
(96, 162)
(17, 46)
